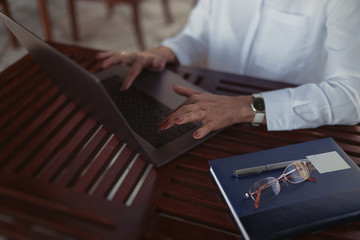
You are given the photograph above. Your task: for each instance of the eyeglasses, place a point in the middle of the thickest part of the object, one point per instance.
(268, 188)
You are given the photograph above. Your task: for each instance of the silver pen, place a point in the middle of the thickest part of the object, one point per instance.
(260, 169)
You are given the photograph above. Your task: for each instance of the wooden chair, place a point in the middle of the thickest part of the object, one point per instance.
(5, 8)
(135, 13)
(44, 14)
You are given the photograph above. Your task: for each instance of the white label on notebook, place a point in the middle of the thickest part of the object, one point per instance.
(328, 162)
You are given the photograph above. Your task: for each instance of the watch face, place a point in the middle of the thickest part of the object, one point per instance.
(259, 104)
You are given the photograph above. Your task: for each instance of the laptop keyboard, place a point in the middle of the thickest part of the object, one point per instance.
(143, 113)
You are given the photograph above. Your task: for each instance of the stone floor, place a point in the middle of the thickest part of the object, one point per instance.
(96, 29)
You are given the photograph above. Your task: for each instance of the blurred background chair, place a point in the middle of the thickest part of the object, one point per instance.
(5, 8)
(134, 4)
(136, 21)
(45, 19)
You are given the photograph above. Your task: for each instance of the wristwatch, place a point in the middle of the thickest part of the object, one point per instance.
(258, 106)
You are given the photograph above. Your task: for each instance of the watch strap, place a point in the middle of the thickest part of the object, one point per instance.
(258, 116)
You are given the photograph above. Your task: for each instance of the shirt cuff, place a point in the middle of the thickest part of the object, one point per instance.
(277, 109)
(179, 48)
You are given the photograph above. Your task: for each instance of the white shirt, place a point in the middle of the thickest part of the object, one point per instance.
(312, 43)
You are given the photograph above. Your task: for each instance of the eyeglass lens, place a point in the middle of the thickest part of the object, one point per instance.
(296, 172)
(264, 190)
(268, 188)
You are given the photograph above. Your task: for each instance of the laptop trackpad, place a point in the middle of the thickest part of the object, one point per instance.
(160, 86)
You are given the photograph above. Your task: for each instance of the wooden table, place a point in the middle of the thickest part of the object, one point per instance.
(64, 176)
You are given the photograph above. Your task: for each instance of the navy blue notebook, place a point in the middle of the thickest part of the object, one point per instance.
(299, 208)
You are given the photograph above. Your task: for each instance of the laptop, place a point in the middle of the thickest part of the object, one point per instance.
(131, 115)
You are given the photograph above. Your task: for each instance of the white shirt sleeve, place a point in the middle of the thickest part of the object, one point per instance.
(191, 44)
(336, 100)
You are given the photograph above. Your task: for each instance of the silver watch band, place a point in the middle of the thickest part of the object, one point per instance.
(259, 116)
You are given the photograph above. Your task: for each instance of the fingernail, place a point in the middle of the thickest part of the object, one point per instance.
(163, 126)
(104, 65)
(179, 119)
(123, 88)
(196, 135)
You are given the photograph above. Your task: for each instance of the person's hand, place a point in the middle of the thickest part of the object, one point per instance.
(153, 59)
(214, 111)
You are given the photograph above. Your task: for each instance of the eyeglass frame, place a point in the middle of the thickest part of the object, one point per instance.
(279, 179)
